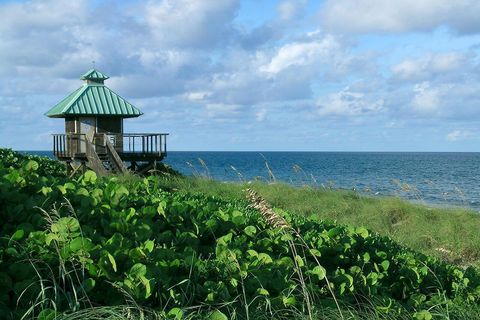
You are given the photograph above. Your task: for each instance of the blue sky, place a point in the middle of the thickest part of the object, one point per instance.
(296, 75)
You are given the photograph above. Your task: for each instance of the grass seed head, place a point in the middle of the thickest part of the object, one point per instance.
(272, 218)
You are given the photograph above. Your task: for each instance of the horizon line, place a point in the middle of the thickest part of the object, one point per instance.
(294, 151)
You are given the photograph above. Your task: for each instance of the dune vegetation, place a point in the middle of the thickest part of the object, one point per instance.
(447, 233)
(126, 247)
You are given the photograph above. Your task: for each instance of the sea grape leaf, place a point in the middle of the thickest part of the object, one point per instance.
(264, 258)
(289, 301)
(381, 254)
(146, 283)
(362, 231)
(238, 218)
(250, 231)
(161, 208)
(18, 235)
(112, 262)
(138, 270)
(287, 237)
(31, 165)
(45, 190)
(149, 245)
(263, 292)
(385, 264)
(332, 233)
(234, 282)
(299, 261)
(47, 314)
(423, 315)
(225, 239)
(90, 176)
(175, 313)
(217, 315)
(88, 284)
(320, 272)
(80, 243)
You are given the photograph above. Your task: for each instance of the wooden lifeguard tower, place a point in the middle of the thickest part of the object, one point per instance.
(94, 134)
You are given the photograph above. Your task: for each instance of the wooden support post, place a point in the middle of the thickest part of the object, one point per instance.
(69, 168)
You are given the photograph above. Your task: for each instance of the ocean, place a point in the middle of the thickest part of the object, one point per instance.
(438, 179)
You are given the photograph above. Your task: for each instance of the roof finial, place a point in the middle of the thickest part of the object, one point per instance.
(93, 64)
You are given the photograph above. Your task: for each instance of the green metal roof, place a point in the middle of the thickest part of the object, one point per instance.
(93, 99)
(93, 74)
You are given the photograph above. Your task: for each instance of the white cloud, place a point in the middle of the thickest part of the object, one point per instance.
(191, 23)
(431, 65)
(364, 16)
(426, 98)
(350, 103)
(301, 54)
(291, 9)
(457, 135)
(39, 34)
(194, 65)
(197, 95)
(222, 112)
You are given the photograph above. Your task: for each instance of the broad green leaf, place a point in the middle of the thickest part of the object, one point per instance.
(263, 292)
(82, 192)
(80, 243)
(250, 231)
(234, 282)
(121, 190)
(18, 235)
(289, 301)
(423, 315)
(252, 253)
(45, 190)
(50, 237)
(31, 165)
(175, 313)
(385, 264)
(381, 254)
(217, 315)
(62, 189)
(90, 176)
(332, 233)
(47, 314)
(225, 239)
(88, 284)
(320, 272)
(362, 231)
(149, 245)
(287, 237)
(138, 270)
(238, 218)
(112, 262)
(161, 208)
(366, 257)
(264, 258)
(299, 261)
(146, 283)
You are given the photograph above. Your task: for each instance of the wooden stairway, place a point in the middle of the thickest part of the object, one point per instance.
(110, 162)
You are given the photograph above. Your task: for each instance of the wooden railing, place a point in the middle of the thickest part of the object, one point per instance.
(145, 143)
(71, 145)
(67, 145)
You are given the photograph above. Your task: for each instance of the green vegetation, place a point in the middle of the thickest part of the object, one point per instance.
(127, 247)
(449, 234)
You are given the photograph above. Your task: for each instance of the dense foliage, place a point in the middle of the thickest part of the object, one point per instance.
(73, 244)
(46, 166)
